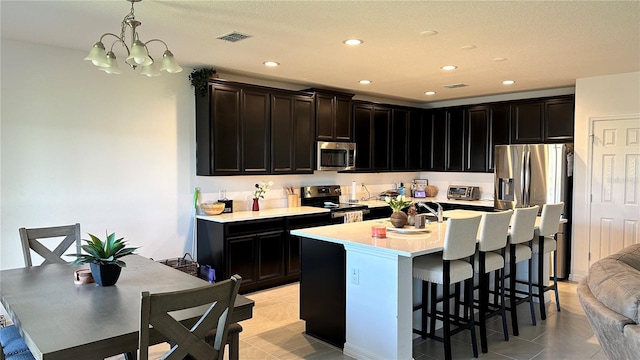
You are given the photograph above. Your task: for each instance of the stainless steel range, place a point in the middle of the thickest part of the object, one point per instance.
(328, 196)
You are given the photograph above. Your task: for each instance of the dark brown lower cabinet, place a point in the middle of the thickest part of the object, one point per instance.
(270, 255)
(261, 251)
(377, 213)
(323, 290)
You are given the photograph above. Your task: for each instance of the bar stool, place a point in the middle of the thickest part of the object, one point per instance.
(453, 266)
(543, 243)
(492, 237)
(522, 229)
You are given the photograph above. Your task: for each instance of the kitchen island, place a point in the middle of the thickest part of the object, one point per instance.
(379, 284)
(377, 280)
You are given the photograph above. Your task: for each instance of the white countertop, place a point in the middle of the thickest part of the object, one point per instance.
(263, 214)
(484, 203)
(307, 210)
(359, 235)
(410, 244)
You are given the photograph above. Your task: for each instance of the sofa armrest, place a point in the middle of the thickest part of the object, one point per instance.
(618, 335)
(596, 311)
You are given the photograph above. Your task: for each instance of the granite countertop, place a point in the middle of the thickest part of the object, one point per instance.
(263, 214)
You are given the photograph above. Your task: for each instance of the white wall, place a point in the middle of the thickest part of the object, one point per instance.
(110, 152)
(595, 97)
(113, 153)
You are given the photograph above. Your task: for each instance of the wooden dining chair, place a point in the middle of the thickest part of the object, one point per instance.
(12, 345)
(32, 240)
(156, 309)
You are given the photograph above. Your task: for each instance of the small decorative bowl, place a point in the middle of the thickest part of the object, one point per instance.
(212, 208)
(431, 191)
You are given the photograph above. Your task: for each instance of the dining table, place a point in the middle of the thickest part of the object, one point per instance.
(59, 319)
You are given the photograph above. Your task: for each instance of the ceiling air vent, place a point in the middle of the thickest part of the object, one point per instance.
(453, 86)
(233, 37)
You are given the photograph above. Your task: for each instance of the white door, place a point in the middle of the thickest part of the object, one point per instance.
(615, 185)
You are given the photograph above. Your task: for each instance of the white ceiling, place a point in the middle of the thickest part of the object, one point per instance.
(547, 44)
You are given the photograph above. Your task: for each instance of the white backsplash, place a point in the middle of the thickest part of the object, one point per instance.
(240, 188)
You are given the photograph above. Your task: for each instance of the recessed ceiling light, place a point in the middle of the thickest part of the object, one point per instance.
(271, 63)
(428, 33)
(449, 67)
(430, 93)
(508, 82)
(499, 59)
(353, 42)
(468, 47)
(365, 82)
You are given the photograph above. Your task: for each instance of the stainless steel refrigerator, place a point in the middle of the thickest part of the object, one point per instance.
(536, 174)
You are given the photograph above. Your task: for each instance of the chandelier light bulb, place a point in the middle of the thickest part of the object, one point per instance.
(98, 55)
(139, 54)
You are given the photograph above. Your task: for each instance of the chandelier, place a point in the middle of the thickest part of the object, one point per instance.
(137, 51)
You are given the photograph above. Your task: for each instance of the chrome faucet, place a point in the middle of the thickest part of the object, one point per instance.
(363, 186)
(437, 212)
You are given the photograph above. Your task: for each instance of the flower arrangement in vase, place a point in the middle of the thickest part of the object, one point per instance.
(398, 217)
(259, 192)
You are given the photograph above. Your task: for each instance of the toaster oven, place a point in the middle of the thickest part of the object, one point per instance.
(460, 192)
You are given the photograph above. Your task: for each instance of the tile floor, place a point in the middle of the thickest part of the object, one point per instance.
(275, 332)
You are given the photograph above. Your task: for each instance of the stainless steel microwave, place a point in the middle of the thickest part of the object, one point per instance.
(336, 156)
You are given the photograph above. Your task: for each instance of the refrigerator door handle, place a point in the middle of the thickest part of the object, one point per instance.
(526, 169)
(522, 180)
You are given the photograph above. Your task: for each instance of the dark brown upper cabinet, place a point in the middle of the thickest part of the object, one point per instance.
(476, 154)
(499, 129)
(418, 136)
(244, 129)
(256, 130)
(542, 120)
(399, 139)
(438, 144)
(559, 120)
(292, 119)
(371, 133)
(447, 139)
(333, 116)
(455, 139)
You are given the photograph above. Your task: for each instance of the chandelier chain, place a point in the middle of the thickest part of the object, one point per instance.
(126, 21)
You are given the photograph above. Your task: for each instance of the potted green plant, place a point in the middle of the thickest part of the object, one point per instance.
(104, 258)
(398, 217)
(200, 79)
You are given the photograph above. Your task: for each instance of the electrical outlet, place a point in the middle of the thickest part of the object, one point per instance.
(355, 276)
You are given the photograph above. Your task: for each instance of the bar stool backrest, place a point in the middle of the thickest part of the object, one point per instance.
(524, 222)
(550, 219)
(494, 229)
(460, 238)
